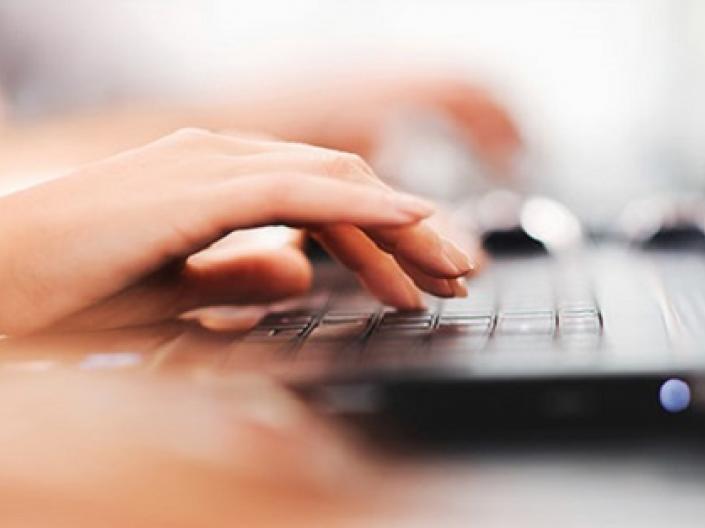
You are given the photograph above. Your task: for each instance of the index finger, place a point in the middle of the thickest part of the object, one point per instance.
(420, 244)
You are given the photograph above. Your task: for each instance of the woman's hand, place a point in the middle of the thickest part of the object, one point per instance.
(352, 116)
(126, 240)
(343, 111)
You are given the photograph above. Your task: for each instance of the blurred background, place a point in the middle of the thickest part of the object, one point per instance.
(608, 94)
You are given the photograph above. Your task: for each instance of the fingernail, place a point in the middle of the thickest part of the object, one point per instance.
(458, 258)
(413, 298)
(413, 206)
(459, 287)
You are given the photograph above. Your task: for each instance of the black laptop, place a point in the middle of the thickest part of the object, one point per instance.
(612, 332)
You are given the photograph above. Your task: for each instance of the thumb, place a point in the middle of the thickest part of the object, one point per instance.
(239, 276)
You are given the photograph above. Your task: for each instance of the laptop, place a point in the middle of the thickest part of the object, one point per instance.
(610, 332)
(560, 328)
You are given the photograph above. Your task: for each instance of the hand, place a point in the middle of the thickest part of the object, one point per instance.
(349, 115)
(126, 240)
(344, 113)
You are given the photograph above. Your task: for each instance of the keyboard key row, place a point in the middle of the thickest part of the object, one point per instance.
(340, 327)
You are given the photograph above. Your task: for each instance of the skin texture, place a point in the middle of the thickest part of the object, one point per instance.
(156, 210)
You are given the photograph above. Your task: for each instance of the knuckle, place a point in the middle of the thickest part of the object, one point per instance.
(191, 134)
(346, 166)
(276, 192)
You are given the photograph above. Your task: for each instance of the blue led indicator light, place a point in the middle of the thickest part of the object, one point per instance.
(674, 395)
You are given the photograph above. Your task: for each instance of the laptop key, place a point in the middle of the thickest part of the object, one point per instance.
(578, 311)
(401, 323)
(464, 326)
(588, 324)
(390, 318)
(334, 316)
(399, 334)
(579, 329)
(273, 334)
(526, 324)
(340, 329)
(458, 335)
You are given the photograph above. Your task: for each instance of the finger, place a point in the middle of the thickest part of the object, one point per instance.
(259, 238)
(377, 271)
(490, 127)
(355, 250)
(249, 135)
(206, 141)
(227, 318)
(484, 122)
(437, 286)
(243, 277)
(312, 160)
(440, 231)
(421, 245)
(232, 142)
(304, 199)
(229, 142)
(262, 143)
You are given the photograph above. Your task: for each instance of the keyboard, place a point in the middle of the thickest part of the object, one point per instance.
(608, 311)
(595, 334)
(545, 308)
